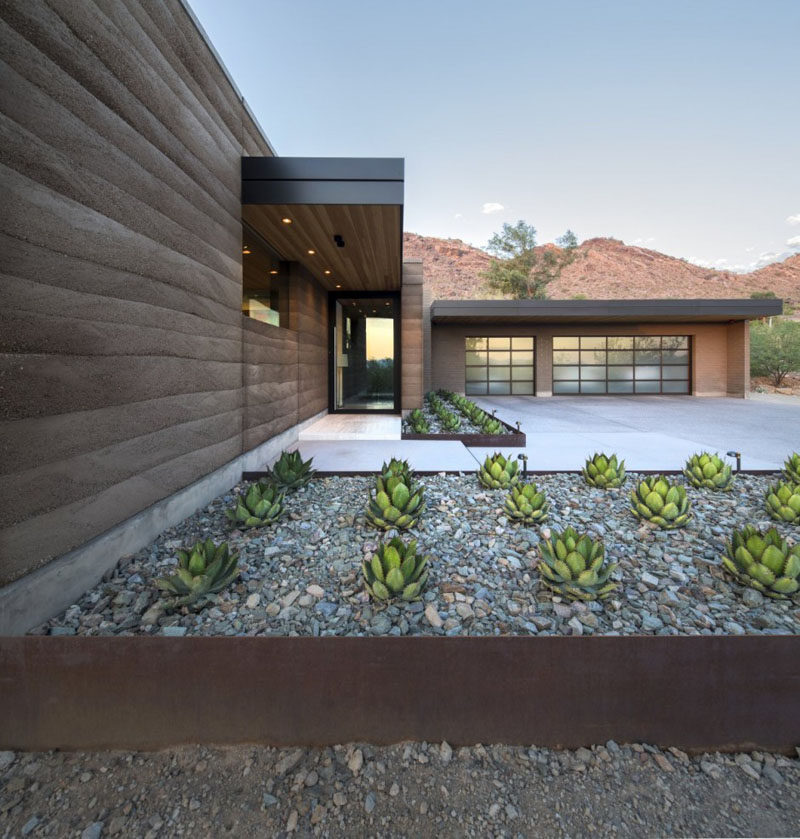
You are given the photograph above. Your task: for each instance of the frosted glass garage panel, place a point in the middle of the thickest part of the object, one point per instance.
(592, 364)
(493, 363)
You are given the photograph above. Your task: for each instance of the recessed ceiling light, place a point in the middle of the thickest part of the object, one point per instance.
(311, 251)
(327, 270)
(245, 249)
(275, 271)
(286, 220)
(338, 285)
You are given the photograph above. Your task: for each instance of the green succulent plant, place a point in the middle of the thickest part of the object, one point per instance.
(709, 471)
(203, 571)
(527, 504)
(419, 424)
(763, 561)
(574, 566)
(604, 472)
(490, 425)
(497, 472)
(396, 570)
(290, 471)
(398, 469)
(449, 421)
(397, 502)
(783, 502)
(658, 501)
(791, 468)
(261, 505)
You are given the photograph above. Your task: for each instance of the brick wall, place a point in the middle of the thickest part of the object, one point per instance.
(712, 347)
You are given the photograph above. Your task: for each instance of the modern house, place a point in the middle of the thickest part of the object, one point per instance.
(178, 302)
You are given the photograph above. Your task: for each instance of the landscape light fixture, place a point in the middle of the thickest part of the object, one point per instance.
(339, 240)
(738, 456)
(524, 459)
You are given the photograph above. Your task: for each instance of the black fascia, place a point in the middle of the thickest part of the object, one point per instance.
(741, 308)
(323, 168)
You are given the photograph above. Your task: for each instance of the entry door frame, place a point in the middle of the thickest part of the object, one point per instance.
(333, 298)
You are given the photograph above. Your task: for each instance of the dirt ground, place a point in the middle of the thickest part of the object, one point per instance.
(410, 789)
(790, 386)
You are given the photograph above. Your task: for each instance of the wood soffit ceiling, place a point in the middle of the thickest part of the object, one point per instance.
(371, 258)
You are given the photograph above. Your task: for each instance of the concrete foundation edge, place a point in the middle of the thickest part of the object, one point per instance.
(34, 598)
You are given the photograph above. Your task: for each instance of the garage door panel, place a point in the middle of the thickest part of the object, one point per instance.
(617, 364)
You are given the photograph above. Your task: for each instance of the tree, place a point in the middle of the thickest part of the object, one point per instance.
(522, 270)
(774, 349)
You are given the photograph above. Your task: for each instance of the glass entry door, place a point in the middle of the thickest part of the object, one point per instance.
(365, 369)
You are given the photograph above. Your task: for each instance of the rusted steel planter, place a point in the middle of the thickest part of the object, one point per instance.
(698, 693)
(514, 439)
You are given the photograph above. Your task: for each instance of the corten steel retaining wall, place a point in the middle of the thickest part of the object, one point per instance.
(720, 352)
(127, 371)
(698, 693)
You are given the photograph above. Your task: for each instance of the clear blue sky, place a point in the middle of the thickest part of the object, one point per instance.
(670, 124)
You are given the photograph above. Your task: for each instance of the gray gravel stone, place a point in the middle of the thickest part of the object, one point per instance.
(483, 583)
(93, 831)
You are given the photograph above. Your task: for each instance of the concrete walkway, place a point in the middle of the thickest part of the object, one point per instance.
(649, 432)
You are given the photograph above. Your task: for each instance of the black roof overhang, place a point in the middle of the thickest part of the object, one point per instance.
(568, 311)
(322, 180)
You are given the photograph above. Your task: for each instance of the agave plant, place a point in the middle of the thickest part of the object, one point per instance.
(490, 425)
(604, 472)
(575, 566)
(783, 502)
(791, 468)
(290, 471)
(449, 421)
(261, 505)
(497, 472)
(202, 571)
(527, 504)
(658, 501)
(397, 502)
(418, 423)
(709, 471)
(763, 561)
(396, 570)
(399, 469)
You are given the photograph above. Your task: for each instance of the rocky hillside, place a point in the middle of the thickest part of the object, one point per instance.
(604, 268)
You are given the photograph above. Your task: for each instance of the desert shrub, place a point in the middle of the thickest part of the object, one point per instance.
(774, 349)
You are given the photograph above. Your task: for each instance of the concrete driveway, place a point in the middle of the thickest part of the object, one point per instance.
(650, 432)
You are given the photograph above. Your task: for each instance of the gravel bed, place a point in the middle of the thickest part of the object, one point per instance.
(409, 789)
(302, 576)
(467, 427)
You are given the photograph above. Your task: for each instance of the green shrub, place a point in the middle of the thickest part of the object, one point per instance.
(774, 349)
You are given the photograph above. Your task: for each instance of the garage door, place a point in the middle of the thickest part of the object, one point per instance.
(621, 364)
(499, 366)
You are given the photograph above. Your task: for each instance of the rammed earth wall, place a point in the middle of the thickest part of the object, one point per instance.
(127, 370)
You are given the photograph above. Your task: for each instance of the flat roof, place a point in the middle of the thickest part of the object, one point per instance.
(566, 311)
(344, 216)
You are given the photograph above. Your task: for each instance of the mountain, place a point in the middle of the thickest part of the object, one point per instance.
(603, 269)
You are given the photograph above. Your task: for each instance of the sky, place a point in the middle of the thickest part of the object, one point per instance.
(668, 124)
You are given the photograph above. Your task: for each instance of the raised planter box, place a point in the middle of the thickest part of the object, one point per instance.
(514, 439)
(699, 693)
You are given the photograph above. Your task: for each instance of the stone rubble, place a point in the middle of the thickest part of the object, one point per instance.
(302, 576)
(409, 789)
